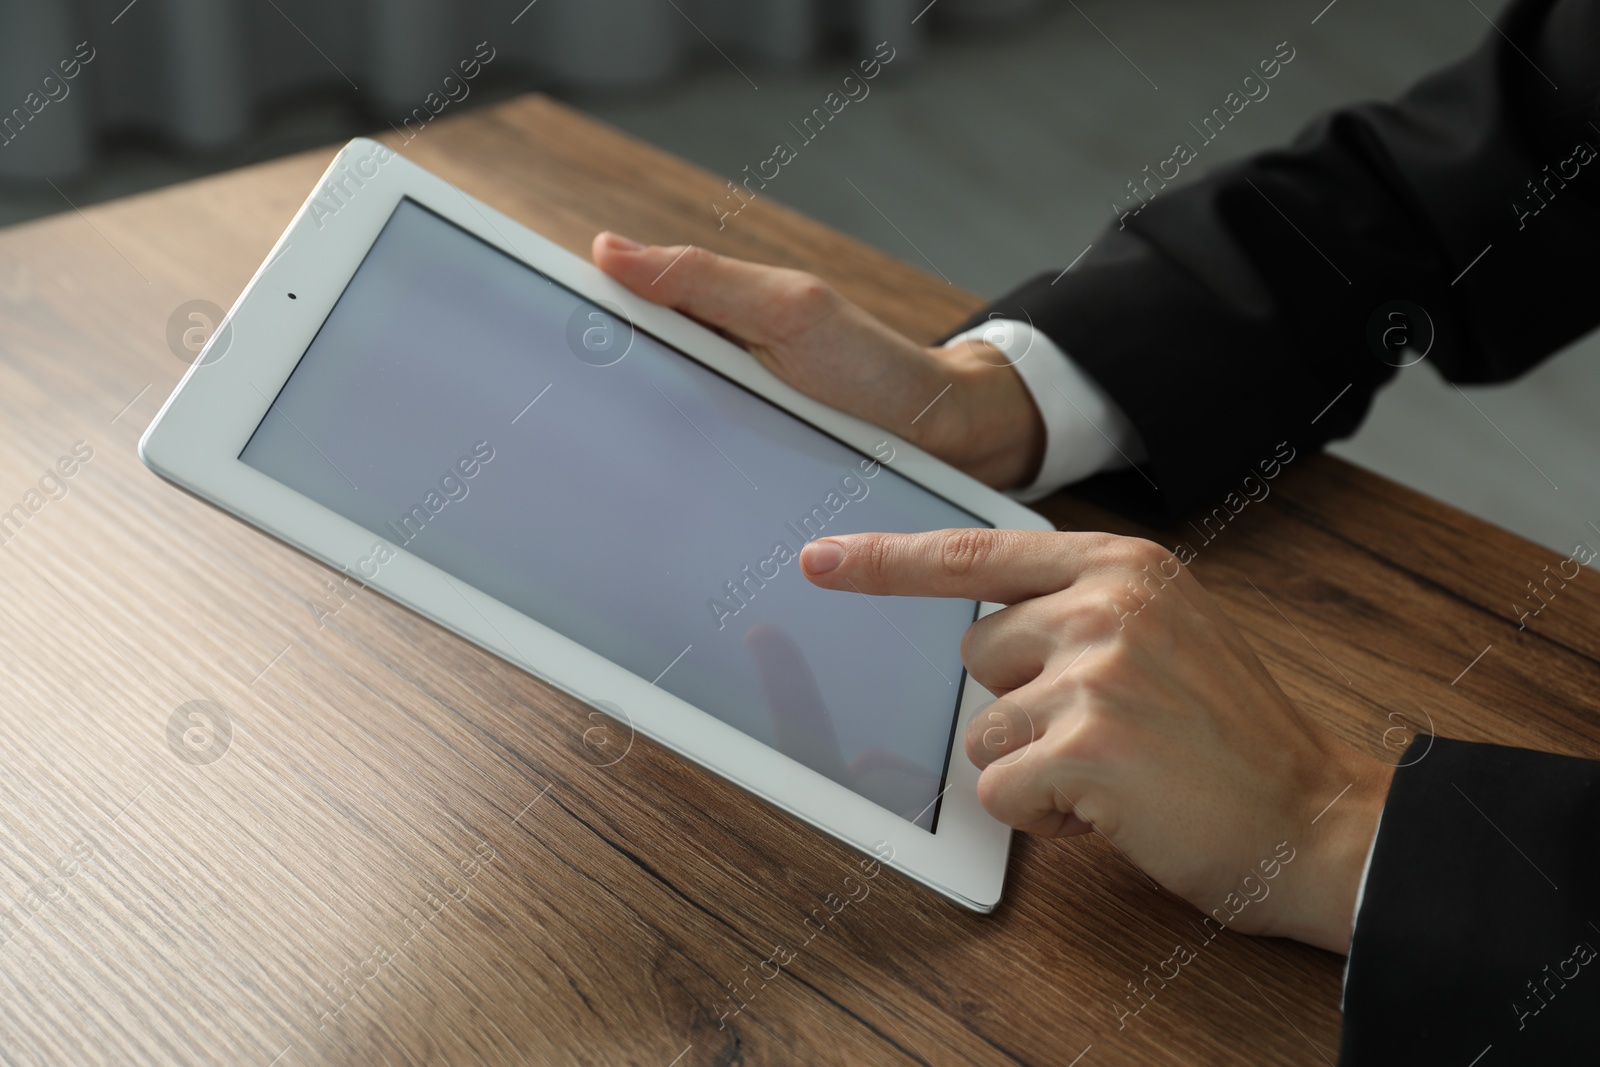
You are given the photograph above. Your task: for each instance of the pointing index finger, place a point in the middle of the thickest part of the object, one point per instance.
(1000, 566)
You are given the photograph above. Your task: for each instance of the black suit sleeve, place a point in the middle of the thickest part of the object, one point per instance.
(1229, 314)
(1480, 924)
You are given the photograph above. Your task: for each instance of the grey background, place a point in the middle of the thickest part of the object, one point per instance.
(995, 149)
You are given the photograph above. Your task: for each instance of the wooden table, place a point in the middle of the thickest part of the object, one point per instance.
(407, 852)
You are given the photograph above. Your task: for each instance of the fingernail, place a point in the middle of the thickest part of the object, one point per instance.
(820, 557)
(621, 243)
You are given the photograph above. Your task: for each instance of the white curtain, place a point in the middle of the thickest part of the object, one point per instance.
(199, 72)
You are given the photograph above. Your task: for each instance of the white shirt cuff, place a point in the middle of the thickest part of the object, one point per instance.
(1085, 431)
(1355, 916)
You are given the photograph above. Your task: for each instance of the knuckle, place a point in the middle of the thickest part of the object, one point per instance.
(1103, 547)
(986, 633)
(1142, 553)
(999, 732)
(1105, 695)
(692, 267)
(960, 551)
(1095, 684)
(807, 302)
(875, 558)
(807, 292)
(697, 259)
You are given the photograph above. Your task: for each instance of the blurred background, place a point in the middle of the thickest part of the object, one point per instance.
(991, 148)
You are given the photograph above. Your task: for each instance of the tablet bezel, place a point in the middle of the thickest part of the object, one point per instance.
(196, 438)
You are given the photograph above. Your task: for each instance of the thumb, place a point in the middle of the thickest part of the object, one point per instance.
(756, 305)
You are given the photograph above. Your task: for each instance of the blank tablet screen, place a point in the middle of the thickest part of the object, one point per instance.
(460, 404)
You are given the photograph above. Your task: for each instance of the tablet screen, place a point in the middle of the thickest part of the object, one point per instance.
(462, 405)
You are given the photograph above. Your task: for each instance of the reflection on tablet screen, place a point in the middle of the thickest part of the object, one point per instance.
(463, 406)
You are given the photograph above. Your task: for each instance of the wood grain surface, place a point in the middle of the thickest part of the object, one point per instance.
(408, 852)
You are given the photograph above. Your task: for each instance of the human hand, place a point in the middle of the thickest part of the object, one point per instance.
(1132, 707)
(965, 404)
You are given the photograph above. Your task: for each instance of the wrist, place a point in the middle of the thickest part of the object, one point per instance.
(990, 427)
(1338, 840)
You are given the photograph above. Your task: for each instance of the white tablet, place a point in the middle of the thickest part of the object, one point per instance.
(420, 392)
